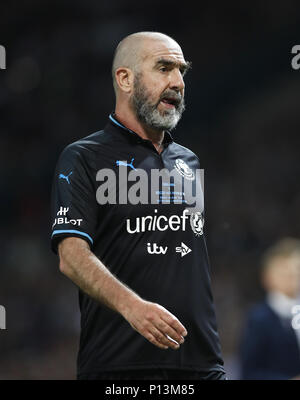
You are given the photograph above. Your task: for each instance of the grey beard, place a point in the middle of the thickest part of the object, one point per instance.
(148, 113)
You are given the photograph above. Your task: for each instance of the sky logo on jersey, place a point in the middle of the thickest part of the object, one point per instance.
(183, 249)
(66, 177)
(126, 164)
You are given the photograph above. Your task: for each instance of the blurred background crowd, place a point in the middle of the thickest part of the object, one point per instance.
(242, 120)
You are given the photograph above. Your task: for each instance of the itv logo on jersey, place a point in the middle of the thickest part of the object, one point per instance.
(2, 318)
(2, 57)
(155, 249)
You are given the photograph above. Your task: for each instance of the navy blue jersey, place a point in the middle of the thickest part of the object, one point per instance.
(151, 238)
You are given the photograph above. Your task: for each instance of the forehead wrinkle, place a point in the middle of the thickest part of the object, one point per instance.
(161, 47)
(184, 66)
(167, 61)
(167, 54)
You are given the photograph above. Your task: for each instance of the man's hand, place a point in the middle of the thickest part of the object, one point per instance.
(156, 324)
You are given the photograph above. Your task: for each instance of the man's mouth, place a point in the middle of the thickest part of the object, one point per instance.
(170, 102)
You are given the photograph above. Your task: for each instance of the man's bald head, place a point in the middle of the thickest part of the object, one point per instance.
(133, 49)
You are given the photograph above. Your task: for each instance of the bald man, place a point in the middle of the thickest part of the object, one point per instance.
(137, 255)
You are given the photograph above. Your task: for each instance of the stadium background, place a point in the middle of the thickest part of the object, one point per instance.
(242, 120)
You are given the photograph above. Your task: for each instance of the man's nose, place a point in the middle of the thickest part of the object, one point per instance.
(176, 81)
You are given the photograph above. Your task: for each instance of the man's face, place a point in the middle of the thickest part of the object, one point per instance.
(158, 93)
(284, 275)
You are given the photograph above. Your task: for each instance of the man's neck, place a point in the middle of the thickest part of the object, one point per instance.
(128, 119)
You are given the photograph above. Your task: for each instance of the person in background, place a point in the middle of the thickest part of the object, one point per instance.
(270, 346)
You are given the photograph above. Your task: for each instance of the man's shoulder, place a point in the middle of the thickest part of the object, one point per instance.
(87, 146)
(94, 139)
(180, 149)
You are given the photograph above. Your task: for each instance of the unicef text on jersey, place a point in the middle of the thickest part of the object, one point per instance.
(178, 186)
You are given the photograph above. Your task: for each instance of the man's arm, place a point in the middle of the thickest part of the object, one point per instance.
(151, 320)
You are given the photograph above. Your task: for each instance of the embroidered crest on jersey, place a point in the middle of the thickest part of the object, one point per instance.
(184, 170)
(197, 223)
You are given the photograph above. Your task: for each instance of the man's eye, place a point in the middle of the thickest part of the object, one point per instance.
(163, 69)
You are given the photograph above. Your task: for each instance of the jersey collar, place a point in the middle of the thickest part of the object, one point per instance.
(134, 136)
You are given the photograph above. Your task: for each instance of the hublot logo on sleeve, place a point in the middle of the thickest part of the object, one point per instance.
(63, 219)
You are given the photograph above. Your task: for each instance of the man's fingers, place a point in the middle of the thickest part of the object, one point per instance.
(164, 339)
(152, 339)
(158, 326)
(156, 337)
(174, 323)
(169, 331)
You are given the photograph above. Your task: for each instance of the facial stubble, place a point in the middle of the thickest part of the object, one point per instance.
(148, 113)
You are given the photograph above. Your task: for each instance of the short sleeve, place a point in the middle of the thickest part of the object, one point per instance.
(73, 199)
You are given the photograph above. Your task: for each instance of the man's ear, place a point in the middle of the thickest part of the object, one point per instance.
(124, 78)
